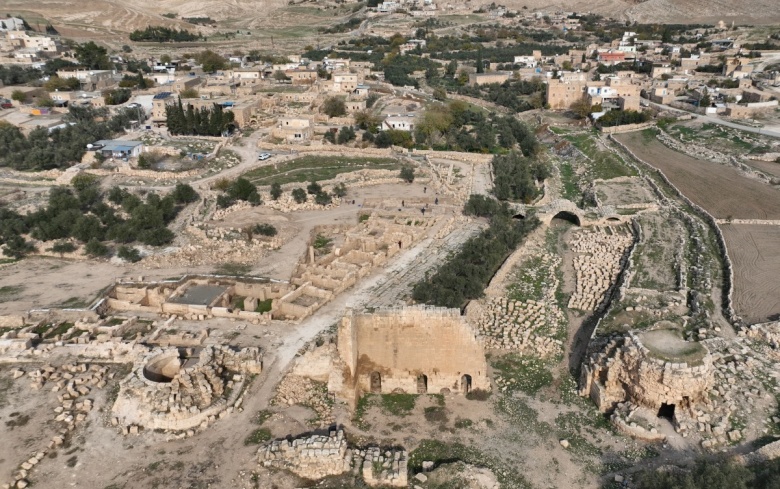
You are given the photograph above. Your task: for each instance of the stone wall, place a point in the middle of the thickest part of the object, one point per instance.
(412, 349)
(317, 456)
(625, 370)
(625, 128)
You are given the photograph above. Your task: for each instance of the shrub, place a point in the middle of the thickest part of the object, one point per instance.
(128, 253)
(95, 248)
(313, 188)
(478, 395)
(322, 198)
(265, 229)
(299, 195)
(334, 107)
(276, 190)
(63, 247)
(340, 190)
(184, 194)
(407, 173)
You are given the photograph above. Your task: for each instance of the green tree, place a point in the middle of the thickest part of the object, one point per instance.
(188, 93)
(407, 173)
(313, 188)
(580, 108)
(452, 68)
(16, 247)
(334, 107)
(299, 195)
(265, 229)
(19, 96)
(184, 194)
(346, 134)
(480, 63)
(211, 61)
(62, 247)
(340, 190)
(95, 248)
(276, 190)
(128, 253)
(92, 57)
(280, 76)
(322, 198)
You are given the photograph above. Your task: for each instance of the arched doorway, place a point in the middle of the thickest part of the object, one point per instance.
(465, 383)
(422, 384)
(568, 216)
(376, 383)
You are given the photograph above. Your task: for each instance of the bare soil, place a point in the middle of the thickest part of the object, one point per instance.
(720, 189)
(755, 253)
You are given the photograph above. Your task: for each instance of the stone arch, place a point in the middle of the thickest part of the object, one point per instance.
(519, 217)
(568, 216)
(422, 384)
(465, 383)
(376, 383)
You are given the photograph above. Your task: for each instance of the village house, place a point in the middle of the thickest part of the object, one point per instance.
(488, 78)
(293, 129)
(398, 123)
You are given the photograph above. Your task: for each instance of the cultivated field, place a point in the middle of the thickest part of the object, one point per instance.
(719, 189)
(755, 253)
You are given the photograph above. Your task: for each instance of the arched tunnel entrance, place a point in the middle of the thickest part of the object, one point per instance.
(568, 216)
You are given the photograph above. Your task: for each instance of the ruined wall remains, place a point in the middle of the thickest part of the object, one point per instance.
(412, 350)
(625, 370)
(318, 456)
(165, 392)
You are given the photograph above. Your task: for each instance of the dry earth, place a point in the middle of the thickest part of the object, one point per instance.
(755, 253)
(720, 189)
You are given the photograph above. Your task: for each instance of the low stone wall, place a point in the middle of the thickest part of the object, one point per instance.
(728, 272)
(625, 128)
(317, 456)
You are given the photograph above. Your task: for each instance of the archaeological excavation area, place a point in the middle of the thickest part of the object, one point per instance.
(632, 320)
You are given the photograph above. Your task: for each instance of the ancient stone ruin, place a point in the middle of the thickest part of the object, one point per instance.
(413, 350)
(182, 389)
(318, 456)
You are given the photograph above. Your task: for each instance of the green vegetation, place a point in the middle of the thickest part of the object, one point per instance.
(163, 34)
(622, 117)
(9, 292)
(240, 189)
(515, 177)
(235, 269)
(465, 275)
(264, 306)
(398, 404)
(206, 121)
(334, 107)
(458, 126)
(258, 436)
(523, 373)
(602, 164)
(316, 168)
(715, 473)
(60, 148)
(440, 452)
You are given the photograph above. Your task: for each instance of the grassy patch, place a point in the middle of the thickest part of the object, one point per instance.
(264, 306)
(571, 190)
(436, 414)
(258, 436)
(316, 168)
(439, 452)
(523, 373)
(235, 269)
(363, 404)
(262, 416)
(10, 292)
(61, 329)
(398, 404)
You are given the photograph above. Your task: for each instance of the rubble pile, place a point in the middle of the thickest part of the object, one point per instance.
(597, 265)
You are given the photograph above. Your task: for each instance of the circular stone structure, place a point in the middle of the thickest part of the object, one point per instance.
(163, 368)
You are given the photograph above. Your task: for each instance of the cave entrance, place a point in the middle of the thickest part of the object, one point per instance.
(422, 384)
(465, 383)
(666, 411)
(567, 216)
(376, 383)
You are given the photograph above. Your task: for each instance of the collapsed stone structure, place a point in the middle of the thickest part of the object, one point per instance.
(626, 370)
(197, 297)
(413, 349)
(318, 456)
(599, 259)
(173, 389)
(369, 244)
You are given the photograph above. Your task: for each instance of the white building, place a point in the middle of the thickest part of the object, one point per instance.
(398, 123)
